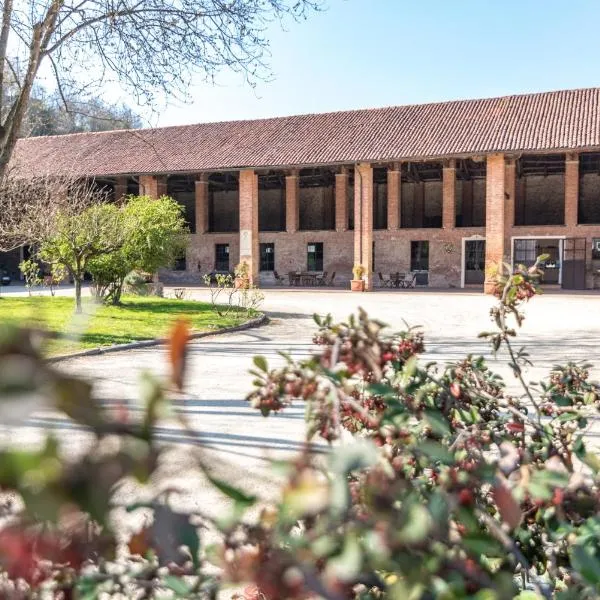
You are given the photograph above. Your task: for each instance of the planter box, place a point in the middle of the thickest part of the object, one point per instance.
(357, 285)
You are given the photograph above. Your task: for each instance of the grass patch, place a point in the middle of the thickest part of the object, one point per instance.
(136, 319)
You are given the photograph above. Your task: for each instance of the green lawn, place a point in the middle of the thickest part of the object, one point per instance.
(136, 319)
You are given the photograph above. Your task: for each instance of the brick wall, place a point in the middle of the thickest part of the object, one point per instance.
(495, 222)
(589, 198)
(540, 200)
(249, 222)
(470, 202)
(421, 204)
(224, 210)
(271, 210)
(392, 246)
(153, 186)
(317, 208)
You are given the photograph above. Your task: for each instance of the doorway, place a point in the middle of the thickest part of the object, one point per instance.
(574, 254)
(527, 250)
(474, 262)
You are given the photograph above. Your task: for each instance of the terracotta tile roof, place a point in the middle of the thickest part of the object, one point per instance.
(533, 122)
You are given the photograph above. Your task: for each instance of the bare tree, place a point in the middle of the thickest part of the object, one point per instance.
(30, 207)
(66, 222)
(149, 47)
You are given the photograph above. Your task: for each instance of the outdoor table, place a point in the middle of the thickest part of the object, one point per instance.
(308, 279)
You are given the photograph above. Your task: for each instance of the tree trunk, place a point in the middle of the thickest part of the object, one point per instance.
(78, 295)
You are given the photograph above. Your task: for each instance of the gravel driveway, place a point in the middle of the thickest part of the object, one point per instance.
(239, 442)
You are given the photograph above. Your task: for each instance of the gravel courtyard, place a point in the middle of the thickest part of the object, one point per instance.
(238, 441)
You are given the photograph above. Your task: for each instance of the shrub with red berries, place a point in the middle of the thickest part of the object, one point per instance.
(466, 488)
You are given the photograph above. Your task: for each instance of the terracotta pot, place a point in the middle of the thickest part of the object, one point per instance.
(357, 285)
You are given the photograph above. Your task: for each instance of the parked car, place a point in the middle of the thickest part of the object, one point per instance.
(5, 278)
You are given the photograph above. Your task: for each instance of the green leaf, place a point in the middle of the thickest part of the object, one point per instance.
(436, 452)
(438, 423)
(567, 416)
(586, 563)
(579, 447)
(260, 362)
(418, 524)
(240, 498)
(177, 585)
(347, 565)
(482, 544)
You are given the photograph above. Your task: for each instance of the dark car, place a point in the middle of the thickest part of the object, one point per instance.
(5, 278)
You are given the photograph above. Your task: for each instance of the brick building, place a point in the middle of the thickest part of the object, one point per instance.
(446, 189)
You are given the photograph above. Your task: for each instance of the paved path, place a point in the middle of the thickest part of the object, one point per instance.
(239, 442)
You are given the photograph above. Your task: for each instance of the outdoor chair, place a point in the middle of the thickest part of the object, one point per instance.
(396, 279)
(385, 283)
(293, 277)
(332, 279)
(322, 279)
(409, 281)
(279, 280)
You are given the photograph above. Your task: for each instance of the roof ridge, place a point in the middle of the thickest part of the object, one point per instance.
(457, 101)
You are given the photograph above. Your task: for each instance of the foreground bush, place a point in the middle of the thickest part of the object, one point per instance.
(439, 483)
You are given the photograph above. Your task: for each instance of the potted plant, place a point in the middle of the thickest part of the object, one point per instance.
(358, 283)
(242, 276)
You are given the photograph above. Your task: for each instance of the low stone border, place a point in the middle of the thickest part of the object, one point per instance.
(256, 322)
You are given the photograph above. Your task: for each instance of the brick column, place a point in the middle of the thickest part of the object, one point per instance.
(201, 185)
(510, 187)
(449, 195)
(292, 206)
(494, 218)
(249, 249)
(154, 186)
(120, 188)
(363, 220)
(571, 189)
(393, 197)
(341, 200)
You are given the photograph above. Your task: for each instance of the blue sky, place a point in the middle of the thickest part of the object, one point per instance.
(367, 53)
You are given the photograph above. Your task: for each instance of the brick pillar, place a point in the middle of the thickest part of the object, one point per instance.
(393, 197)
(120, 188)
(202, 224)
(571, 189)
(449, 195)
(363, 220)
(249, 249)
(292, 205)
(510, 185)
(154, 186)
(494, 218)
(341, 200)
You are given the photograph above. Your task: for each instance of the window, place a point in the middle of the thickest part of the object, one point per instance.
(419, 256)
(596, 248)
(267, 257)
(315, 256)
(525, 252)
(180, 264)
(221, 257)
